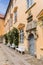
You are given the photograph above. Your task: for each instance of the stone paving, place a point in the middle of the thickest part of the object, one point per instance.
(10, 56)
(3, 59)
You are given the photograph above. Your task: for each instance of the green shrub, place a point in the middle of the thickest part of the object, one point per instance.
(6, 38)
(15, 34)
(10, 37)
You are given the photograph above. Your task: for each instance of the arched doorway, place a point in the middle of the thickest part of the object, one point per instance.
(31, 44)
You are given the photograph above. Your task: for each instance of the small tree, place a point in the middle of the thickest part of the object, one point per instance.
(6, 38)
(15, 35)
(10, 37)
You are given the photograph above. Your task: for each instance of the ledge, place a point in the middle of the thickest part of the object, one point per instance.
(42, 49)
(30, 8)
(29, 17)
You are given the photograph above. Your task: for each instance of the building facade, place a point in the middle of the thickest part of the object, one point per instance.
(27, 17)
(19, 18)
(1, 27)
(35, 26)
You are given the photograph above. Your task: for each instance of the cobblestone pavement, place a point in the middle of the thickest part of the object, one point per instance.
(9, 56)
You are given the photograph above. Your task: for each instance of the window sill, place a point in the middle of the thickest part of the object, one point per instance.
(30, 7)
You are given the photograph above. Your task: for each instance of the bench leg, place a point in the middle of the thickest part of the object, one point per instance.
(23, 52)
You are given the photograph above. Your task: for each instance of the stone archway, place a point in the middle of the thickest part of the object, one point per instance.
(31, 40)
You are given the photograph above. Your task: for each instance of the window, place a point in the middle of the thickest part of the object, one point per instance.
(15, 16)
(29, 3)
(11, 22)
(21, 36)
(42, 22)
(11, 4)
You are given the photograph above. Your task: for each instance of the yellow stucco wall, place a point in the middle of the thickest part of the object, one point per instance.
(35, 10)
(1, 27)
(39, 43)
(22, 18)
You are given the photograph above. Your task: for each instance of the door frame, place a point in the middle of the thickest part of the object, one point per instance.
(28, 43)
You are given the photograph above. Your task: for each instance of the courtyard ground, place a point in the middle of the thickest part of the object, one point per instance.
(10, 56)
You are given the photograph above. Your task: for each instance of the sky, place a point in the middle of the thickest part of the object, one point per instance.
(3, 6)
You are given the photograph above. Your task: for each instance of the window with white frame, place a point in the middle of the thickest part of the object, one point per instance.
(21, 36)
(15, 16)
(29, 3)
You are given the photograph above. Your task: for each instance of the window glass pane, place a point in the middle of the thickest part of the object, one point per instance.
(29, 3)
(15, 16)
(21, 36)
